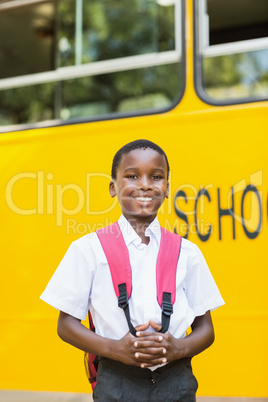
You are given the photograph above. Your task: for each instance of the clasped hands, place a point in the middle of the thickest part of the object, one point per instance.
(149, 348)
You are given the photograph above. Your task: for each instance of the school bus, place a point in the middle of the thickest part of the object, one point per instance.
(79, 79)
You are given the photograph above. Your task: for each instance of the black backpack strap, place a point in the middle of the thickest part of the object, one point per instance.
(167, 310)
(123, 303)
(117, 256)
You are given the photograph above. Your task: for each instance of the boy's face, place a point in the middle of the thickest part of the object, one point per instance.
(141, 184)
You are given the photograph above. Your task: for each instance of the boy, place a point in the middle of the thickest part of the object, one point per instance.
(151, 366)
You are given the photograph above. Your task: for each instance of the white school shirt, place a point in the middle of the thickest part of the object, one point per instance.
(83, 281)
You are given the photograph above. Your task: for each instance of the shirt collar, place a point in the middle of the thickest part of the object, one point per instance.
(131, 236)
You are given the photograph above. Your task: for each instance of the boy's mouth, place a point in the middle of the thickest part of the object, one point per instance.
(143, 199)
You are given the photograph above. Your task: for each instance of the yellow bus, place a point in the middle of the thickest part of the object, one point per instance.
(79, 79)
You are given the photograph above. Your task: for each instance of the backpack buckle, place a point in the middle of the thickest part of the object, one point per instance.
(123, 297)
(167, 307)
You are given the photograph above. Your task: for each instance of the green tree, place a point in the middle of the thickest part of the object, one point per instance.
(222, 71)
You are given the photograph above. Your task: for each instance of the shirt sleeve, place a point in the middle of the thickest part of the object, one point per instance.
(201, 290)
(69, 288)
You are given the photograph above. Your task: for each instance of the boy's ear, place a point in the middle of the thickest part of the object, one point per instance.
(167, 192)
(112, 189)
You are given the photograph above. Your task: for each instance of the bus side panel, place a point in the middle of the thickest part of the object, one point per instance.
(55, 189)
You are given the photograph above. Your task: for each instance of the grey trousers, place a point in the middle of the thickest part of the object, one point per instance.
(173, 382)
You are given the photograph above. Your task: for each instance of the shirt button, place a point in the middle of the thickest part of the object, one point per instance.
(153, 381)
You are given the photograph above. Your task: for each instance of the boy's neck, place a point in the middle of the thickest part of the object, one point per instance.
(140, 226)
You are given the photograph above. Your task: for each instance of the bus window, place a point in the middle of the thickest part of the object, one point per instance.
(106, 30)
(232, 50)
(119, 92)
(77, 59)
(27, 44)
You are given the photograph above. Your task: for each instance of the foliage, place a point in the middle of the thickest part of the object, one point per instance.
(110, 29)
(221, 71)
(236, 76)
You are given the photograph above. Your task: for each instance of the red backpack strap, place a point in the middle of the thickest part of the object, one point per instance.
(117, 255)
(166, 270)
(91, 361)
(168, 257)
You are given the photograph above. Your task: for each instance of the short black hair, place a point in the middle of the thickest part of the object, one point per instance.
(137, 144)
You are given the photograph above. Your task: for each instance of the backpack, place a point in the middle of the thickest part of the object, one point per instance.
(117, 255)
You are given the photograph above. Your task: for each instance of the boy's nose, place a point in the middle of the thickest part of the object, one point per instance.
(144, 183)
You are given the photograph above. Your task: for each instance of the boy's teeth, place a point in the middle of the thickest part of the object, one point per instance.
(144, 198)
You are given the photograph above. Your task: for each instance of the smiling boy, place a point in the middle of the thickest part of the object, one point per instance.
(141, 184)
(151, 366)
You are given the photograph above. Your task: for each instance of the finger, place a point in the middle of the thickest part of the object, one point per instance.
(155, 326)
(143, 344)
(142, 327)
(149, 354)
(147, 360)
(150, 358)
(150, 336)
(152, 350)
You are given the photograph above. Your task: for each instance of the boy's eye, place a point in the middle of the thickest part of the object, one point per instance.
(156, 177)
(132, 176)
